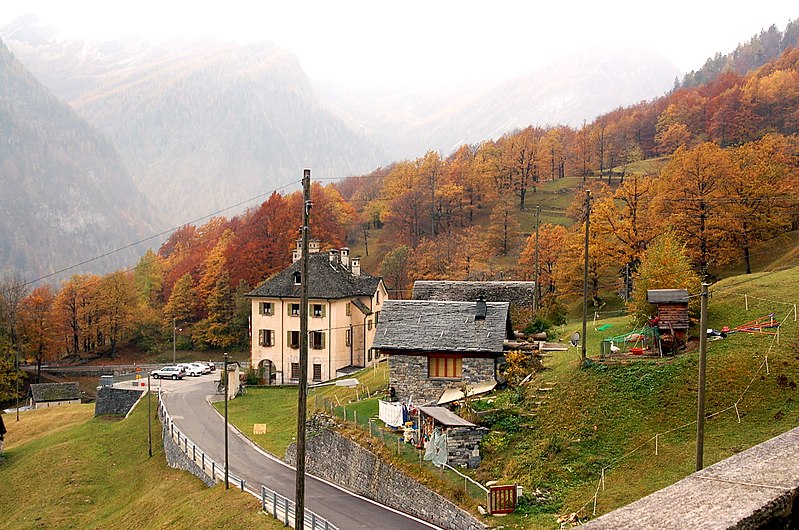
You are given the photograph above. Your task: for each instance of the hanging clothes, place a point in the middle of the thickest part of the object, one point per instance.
(392, 414)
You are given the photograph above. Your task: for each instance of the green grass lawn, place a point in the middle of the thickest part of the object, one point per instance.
(63, 468)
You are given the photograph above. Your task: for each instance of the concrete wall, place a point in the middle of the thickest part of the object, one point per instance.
(408, 376)
(363, 472)
(48, 404)
(116, 400)
(757, 488)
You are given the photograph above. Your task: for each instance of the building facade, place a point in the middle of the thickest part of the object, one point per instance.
(343, 310)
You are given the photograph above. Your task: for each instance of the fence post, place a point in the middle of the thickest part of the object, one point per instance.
(286, 510)
(213, 470)
(242, 484)
(313, 520)
(355, 417)
(274, 504)
(202, 457)
(263, 498)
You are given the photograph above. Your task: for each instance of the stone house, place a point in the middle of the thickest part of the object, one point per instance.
(343, 311)
(520, 294)
(45, 395)
(435, 345)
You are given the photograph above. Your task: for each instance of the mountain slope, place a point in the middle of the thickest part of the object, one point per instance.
(566, 92)
(200, 124)
(64, 195)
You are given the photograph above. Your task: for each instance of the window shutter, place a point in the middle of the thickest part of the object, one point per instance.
(288, 309)
(324, 310)
(322, 339)
(288, 339)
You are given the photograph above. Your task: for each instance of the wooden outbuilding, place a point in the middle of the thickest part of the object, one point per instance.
(671, 318)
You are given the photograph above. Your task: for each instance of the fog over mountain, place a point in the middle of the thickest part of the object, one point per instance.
(65, 197)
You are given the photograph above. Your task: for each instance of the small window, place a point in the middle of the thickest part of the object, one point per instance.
(317, 372)
(369, 355)
(318, 310)
(348, 338)
(317, 340)
(369, 324)
(442, 367)
(267, 308)
(297, 278)
(293, 310)
(266, 337)
(377, 297)
(377, 317)
(293, 339)
(349, 309)
(295, 370)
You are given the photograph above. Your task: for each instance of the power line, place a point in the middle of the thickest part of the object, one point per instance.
(159, 234)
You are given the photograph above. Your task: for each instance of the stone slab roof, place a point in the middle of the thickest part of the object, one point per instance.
(440, 326)
(327, 280)
(43, 392)
(667, 296)
(445, 417)
(520, 294)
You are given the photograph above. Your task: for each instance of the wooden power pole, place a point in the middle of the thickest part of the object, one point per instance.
(585, 274)
(700, 405)
(536, 288)
(302, 394)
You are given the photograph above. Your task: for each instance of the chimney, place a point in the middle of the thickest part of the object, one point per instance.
(356, 266)
(313, 246)
(334, 258)
(480, 313)
(345, 257)
(296, 254)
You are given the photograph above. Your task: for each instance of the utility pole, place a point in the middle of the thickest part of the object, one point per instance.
(227, 380)
(585, 273)
(174, 344)
(536, 288)
(700, 406)
(302, 393)
(149, 420)
(16, 378)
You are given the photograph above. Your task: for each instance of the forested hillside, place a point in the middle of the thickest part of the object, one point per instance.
(200, 124)
(700, 179)
(64, 194)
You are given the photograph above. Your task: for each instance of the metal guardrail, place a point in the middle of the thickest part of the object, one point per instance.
(272, 502)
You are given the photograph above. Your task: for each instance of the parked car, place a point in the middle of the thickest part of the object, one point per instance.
(191, 369)
(211, 366)
(168, 372)
(202, 366)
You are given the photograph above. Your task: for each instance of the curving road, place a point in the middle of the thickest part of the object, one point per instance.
(186, 402)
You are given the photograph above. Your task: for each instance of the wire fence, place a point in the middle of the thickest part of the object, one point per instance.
(362, 415)
(654, 442)
(272, 502)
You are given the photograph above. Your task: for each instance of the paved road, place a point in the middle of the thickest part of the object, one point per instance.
(186, 402)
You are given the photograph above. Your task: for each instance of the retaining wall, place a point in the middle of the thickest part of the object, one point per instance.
(340, 460)
(115, 400)
(757, 488)
(177, 459)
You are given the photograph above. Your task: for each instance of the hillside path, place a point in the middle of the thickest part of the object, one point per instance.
(187, 404)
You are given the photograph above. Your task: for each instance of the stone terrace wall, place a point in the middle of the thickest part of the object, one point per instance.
(757, 488)
(408, 376)
(339, 460)
(115, 400)
(177, 459)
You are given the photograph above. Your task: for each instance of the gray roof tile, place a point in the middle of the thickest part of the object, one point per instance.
(327, 280)
(441, 326)
(42, 392)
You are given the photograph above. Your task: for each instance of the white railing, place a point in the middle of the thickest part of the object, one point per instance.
(272, 502)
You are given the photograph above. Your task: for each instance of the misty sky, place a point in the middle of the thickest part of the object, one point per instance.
(438, 42)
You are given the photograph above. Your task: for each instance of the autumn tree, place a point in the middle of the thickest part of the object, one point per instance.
(394, 268)
(148, 278)
(38, 326)
(689, 194)
(13, 290)
(550, 244)
(664, 265)
(521, 161)
(758, 192)
(183, 302)
(116, 296)
(503, 230)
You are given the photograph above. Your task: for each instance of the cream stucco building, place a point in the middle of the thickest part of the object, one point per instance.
(343, 311)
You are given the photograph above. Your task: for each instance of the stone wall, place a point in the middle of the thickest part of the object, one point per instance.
(115, 400)
(408, 376)
(757, 488)
(363, 472)
(463, 445)
(177, 459)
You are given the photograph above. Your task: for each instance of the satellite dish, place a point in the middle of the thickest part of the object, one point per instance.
(575, 340)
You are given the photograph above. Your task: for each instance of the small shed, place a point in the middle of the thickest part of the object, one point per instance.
(463, 437)
(671, 318)
(45, 395)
